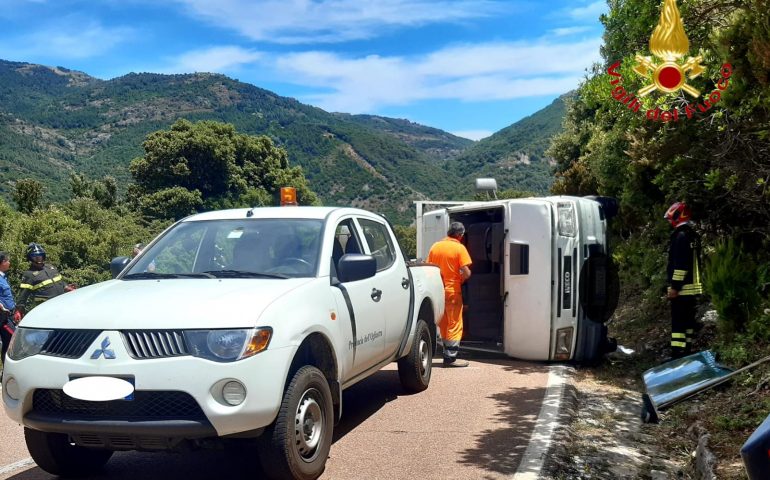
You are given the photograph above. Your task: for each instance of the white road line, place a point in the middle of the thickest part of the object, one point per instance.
(548, 419)
(16, 466)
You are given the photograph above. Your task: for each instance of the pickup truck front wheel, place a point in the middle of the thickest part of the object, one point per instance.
(297, 444)
(414, 370)
(54, 453)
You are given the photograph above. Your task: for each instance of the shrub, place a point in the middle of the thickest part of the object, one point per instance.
(731, 281)
(641, 262)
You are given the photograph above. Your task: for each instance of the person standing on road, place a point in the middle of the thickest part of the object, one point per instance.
(42, 281)
(453, 259)
(9, 316)
(683, 276)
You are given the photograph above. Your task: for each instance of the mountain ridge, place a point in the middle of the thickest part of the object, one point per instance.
(54, 121)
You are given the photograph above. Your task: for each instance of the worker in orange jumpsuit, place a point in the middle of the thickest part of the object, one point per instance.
(453, 259)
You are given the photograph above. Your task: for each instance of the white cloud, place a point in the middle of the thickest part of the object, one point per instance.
(215, 59)
(328, 21)
(473, 134)
(479, 89)
(591, 11)
(518, 58)
(71, 38)
(472, 73)
(567, 31)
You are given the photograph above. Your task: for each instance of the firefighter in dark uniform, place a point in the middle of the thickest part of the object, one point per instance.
(683, 275)
(40, 282)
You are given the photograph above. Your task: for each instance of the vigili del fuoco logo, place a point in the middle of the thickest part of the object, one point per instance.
(669, 72)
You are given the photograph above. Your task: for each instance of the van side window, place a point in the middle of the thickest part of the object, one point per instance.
(519, 259)
(378, 239)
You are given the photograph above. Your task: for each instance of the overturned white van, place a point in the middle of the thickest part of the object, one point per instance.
(542, 284)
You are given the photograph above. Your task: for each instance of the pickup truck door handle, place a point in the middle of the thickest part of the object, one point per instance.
(376, 294)
(405, 283)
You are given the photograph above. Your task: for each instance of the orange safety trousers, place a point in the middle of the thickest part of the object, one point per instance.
(451, 326)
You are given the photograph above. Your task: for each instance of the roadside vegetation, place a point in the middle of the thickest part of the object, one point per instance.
(185, 169)
(718, 161)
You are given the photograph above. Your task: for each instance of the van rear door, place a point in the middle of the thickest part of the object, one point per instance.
(529, 279)
(431, 228)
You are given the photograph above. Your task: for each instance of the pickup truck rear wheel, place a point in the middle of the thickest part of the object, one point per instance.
(54, 453)
(414, 370)
(297, 444)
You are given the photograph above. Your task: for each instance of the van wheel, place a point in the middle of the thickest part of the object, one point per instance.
(54, 453)
(297, 444)
(414, 370)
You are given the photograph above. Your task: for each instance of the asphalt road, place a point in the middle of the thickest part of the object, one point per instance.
(472, 423)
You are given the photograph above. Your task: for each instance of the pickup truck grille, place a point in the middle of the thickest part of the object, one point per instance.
(69, 343)
(146, 344)
(146, 405)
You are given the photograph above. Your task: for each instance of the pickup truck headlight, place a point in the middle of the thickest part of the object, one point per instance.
(227, 345)
(27, 342)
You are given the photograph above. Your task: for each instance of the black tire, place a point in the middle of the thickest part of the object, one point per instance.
(414, 369)
(53, 453)
(297, 444)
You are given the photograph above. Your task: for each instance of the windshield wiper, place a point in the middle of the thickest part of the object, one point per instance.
(196, 275)
(152, 275)
(243, 274)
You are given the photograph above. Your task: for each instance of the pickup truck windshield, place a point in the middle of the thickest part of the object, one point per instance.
(247, 248)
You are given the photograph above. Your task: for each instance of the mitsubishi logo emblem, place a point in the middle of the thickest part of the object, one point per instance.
(109, 354)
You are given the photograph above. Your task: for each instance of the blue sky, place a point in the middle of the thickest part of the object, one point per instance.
(470, 67)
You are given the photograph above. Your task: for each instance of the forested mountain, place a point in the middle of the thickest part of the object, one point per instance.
(54, 121)
(437, 144)
(515, 155)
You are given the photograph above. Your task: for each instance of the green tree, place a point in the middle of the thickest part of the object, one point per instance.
(104, 191)
(407, 238)
(80, 237)
(718, 160)
(174, 202)
(28, 194)
(205, 165)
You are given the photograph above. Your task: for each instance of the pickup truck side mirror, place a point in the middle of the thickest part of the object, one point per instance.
(356, 266)
(118, 264)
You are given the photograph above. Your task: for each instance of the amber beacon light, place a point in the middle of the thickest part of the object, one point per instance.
(288, 196)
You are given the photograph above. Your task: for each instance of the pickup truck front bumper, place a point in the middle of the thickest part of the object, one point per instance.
(173, 397)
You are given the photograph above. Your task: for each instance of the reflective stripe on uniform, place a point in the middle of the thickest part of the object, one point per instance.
(694, 288)
(678, 275)
(691, 289)
(42, 284)
(678, 335)
(678, 344)
(695, 269)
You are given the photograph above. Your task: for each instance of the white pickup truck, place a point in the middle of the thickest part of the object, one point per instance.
(230, 325)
